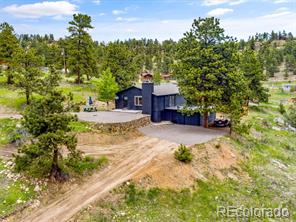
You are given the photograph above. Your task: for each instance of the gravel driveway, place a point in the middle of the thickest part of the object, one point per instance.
(188, 135)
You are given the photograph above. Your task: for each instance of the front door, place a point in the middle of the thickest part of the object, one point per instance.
(125, 102)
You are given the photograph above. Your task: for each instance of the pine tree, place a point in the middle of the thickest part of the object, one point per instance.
(252, 69)
(27, 72)
(81, 52)
(207, 71)
(47, 122)
(121, 62)
(8, 46)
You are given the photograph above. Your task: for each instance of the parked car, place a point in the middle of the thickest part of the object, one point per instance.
(221, 122)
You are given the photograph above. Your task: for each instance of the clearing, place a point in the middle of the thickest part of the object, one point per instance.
(128, 158)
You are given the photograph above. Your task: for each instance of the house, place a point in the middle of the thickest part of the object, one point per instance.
(162, 102)
(146, 76)
(166, 76)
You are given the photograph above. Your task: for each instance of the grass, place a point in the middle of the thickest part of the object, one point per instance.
(86, 165)
(7, 126)
(81, 126)
(269, 184)
(12, 97)
(80, 92)
(13, 192)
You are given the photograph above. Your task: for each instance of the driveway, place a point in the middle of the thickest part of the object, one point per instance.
(188, 135)
(109, 116)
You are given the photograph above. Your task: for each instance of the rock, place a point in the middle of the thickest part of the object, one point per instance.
(35, 204)
(279, 164)
(276, 128)
(279, 121)
(37, 188)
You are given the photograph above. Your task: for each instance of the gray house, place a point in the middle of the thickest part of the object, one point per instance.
(163, 102)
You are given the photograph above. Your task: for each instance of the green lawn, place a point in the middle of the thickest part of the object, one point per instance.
(12, 97)
(13, 192)
(271, 166)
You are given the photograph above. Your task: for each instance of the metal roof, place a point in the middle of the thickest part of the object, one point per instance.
(163, 89)
(166, 89)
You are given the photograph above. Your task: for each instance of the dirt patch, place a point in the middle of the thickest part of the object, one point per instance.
(214, 159)
(94, 138)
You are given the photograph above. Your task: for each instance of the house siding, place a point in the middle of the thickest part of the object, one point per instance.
(157, 106)
(130, 94)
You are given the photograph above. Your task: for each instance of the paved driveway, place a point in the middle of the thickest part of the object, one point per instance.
(108, 116)
(188, 135)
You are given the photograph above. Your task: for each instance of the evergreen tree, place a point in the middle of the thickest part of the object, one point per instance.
(46, 120)
(26, 65)
(8, 46)
(81, 52)
(121, 62)
(252, 69)
(148, 63)
(207, 69)
(107, 87)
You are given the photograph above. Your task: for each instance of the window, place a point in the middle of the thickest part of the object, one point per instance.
(138, 100)
(172, 100)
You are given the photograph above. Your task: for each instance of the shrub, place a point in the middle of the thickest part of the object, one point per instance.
(282, 109)
(292, 89)
(183, 154)
(290, 115)
(242, 128)
(85, 164)
(131, 193)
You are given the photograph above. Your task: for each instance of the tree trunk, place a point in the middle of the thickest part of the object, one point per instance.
(87, 77)
(78, 77)
(206, 119)
(27, 97)
(107, 105)
(9, 76)
(56, 172)
(9, 79)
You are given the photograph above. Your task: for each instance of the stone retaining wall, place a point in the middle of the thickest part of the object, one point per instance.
(120, 128)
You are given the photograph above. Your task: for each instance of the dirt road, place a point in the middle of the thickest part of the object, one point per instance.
(128, 159)
(8, 113)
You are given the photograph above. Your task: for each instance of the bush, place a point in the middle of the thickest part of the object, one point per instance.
(39, 166)
(282, 109)
(242, 128)
(183, 154)
(290, 115)
(85, 164)
(292, 89)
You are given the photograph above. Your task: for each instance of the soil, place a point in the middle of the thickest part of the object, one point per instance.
(6, 112)
(216, 158)
(148, 161)
(127, 159)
